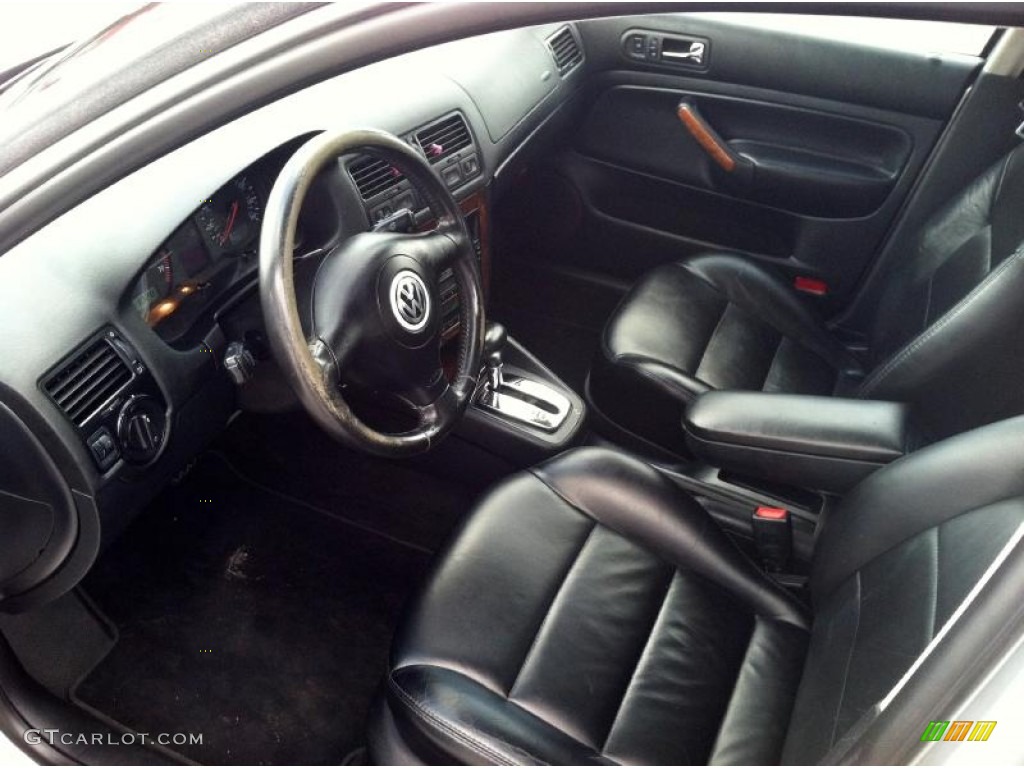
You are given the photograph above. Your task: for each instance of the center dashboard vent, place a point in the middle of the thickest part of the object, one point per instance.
(373, 176)
(444, 138)
(565, 49)
(87, 381)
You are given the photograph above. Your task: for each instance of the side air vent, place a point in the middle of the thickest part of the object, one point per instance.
(373, 176)
(565, 49)
(91, 378)
(443, 138)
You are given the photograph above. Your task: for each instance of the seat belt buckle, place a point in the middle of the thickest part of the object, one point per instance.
(773, 537)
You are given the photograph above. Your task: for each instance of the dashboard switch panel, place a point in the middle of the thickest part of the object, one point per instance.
(103, 448)
(104, 388)
(141, 429)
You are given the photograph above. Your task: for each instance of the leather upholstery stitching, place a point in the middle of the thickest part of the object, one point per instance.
(774, 360)
(999, 184)
(736, 681)
(550, 486)
(670, 559)
(554, 599)
(452, 730)
(805, 340)
(928, 300)
(911, 534)
(711, 338)
(935, 597)
(930, 333)
(846, 669)
(639, 660)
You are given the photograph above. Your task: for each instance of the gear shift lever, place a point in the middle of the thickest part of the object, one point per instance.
(517, 398)
(494, 342)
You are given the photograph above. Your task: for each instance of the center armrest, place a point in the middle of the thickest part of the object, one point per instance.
(821, 443)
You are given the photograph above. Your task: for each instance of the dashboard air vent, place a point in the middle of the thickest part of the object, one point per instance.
(444, 137)
(373, 176)
(85, 383)
(565, 49)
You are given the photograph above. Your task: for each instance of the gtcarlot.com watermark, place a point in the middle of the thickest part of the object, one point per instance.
(55, 737)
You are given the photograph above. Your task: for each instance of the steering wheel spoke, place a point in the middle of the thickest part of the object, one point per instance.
(441, 410)
(440, 249)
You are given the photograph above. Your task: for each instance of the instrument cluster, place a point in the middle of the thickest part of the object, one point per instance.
(218, 240)
(215, 250)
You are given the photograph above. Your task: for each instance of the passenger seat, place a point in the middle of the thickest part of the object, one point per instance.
(948, 338)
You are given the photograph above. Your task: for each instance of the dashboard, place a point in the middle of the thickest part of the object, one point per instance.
(216, 248)
(118, 314)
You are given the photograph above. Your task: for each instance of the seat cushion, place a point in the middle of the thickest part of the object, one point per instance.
(711, 322)
(590, 612)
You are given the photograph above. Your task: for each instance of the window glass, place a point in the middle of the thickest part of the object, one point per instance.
(30, 29)
(901, 34)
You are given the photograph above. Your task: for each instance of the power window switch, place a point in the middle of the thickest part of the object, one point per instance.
(636, 47)
(654, 49)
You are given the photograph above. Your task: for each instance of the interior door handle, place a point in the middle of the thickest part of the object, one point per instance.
(694, 54)
(708, 138)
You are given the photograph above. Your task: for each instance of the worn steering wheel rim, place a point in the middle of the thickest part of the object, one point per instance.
(312, 366)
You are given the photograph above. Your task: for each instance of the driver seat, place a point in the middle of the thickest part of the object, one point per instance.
(589, 611)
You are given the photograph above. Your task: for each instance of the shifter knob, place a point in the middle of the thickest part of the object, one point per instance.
(494, 341)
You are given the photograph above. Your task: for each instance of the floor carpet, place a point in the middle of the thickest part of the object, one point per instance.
(417, 500)
(250, 617)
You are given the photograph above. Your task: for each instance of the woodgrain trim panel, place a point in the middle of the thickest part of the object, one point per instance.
(705, 137)
(475, 203)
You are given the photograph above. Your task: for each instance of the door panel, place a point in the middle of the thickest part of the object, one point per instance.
(799, 160)
(826, 139)
(850, 72)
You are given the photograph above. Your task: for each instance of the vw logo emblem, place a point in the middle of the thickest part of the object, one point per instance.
(410, 301)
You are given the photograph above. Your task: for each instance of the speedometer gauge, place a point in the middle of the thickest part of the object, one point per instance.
(230, 220)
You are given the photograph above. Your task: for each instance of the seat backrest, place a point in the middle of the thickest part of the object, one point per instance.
(948, 333)
(892, 564)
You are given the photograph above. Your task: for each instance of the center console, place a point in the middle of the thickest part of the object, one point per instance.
(757, 453)
(520, 410)
(826, 444)
(515, 397)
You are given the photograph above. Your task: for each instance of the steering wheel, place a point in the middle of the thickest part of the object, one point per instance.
(376, 307)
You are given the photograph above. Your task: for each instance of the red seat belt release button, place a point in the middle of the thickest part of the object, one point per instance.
(773, 537)
(811, 285)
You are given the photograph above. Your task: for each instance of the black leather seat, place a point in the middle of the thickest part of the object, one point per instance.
(946, 337)
(590, 612)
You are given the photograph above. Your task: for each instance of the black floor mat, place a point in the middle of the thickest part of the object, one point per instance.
(250, 619)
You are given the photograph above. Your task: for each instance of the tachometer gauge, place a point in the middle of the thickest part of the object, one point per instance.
(230, 220)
